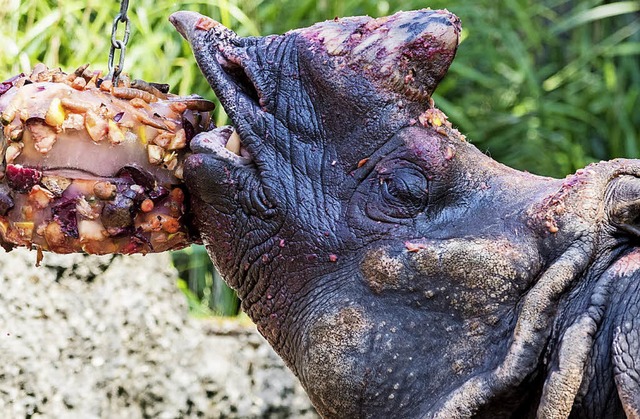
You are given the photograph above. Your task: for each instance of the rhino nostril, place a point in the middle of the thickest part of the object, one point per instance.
(239, 76)
(245, 83)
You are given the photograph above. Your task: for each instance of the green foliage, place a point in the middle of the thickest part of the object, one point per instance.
(546, 86)
(206, 292)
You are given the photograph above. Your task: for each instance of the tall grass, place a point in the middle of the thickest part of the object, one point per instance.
(546, 86)
(549, 86)
(206, 292)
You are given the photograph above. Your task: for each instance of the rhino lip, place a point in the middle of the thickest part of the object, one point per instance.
(232, 139)
(224, 142)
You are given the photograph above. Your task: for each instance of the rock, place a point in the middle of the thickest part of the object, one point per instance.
(110, 336)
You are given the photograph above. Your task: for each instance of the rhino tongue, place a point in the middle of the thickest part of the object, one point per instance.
(408, 52)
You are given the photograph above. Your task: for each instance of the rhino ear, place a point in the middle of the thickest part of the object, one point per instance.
(624, 204)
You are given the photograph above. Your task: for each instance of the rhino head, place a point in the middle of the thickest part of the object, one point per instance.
(395, 268)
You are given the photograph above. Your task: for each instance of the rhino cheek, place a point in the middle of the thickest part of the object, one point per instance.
(384, 269)
(481, 277)
(470, 277)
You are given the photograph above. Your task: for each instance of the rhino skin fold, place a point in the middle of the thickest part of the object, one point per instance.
(91, 167)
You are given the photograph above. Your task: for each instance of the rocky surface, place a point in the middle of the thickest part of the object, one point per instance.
(106, 337)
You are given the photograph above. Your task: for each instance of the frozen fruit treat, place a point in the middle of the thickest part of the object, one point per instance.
(91, 167)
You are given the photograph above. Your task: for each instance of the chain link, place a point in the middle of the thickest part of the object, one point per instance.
(120, 44)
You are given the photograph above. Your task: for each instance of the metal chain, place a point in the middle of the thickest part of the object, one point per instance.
(121, 44)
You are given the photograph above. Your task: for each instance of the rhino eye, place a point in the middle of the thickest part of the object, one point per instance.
(404, 193)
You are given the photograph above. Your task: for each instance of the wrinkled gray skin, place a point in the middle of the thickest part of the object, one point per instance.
(397, 270)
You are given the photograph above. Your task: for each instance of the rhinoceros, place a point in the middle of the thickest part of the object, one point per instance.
(398, 270)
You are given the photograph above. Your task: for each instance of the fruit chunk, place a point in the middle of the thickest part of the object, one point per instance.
(55, 115)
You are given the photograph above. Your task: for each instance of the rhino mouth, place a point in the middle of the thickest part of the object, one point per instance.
(219, 53)
(224, 142)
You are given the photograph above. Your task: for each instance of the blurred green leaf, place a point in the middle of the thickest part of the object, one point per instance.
(205, 290)
(597, 13)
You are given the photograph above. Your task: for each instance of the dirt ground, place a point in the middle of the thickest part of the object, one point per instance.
(110, 337)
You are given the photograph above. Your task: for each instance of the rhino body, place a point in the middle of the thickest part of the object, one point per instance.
(396, 269)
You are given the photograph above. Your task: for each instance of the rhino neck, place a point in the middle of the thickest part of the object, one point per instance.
(590, 367)
(554, 339)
